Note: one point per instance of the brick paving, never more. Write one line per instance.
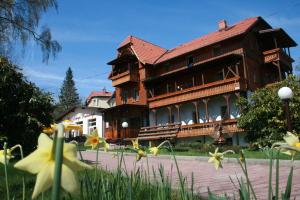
(204, 173)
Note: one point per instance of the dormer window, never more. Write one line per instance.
(190, 61)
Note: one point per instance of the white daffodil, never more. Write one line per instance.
(42, 162)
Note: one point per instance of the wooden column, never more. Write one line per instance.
(193, 80)
(197, 111)
(155, 117)
(202, 78)
(205, 101)
(227, 97)
(237, 69)
(178, 113)
(170, 113)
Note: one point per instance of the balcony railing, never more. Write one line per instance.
(277, 55)
(198, 92)
(228, 127)
(176, 130)
(167, 131)
(123, 78)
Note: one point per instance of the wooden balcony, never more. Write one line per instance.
(124, 77)
(176, 130)
(168, 131)
(228, 127)
(198, 92)
(277, 55)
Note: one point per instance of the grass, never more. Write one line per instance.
(248, 154)
(105, 185)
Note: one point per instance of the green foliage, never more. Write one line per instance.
(202, 147)
(24, 108)
(19, 20)
(68, 97)
(263, 116)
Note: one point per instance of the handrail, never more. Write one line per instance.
(199, 87)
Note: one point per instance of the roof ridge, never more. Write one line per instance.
(148, 42)
(185, 43)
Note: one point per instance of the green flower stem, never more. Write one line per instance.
(277, 177)
(247, 178)
(23, 174)
(59, 147)
(96, 166)
(5, 170)
(182, 191)
(270, 174)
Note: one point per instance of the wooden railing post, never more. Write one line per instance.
(227, 98)
(205, 101)
(197, 111)
(178, 113)
(170, 113)
(154, 116)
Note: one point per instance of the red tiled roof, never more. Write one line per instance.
(103, 93)
(147, 52)
(209, 39)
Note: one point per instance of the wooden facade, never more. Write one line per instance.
(225, 64)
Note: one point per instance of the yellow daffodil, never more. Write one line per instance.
(42, 162)
(293, 144)
(140, 154)
(135, 143)
(8, 156)
(154, 150)
(93, 140)
(242, 156)
(216, 158)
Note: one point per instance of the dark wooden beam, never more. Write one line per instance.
(197, 111)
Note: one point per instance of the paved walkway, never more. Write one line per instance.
(205, 174)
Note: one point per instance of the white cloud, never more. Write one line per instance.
(42, 75)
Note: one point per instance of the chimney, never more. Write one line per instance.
(222, 25)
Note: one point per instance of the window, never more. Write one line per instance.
(92, 125)
(224, 114)
(135, 94)
(190, 61)
(94, 102)
(124, 96)
(217, 50)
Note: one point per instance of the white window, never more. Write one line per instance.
(92, 125)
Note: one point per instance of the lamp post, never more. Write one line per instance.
(125, 126)
(285, 94)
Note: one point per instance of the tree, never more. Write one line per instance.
(263, 117)
(68, 97)
(24, 108)
(19, 20)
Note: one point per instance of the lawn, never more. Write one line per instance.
(194, 152)
(105, 185)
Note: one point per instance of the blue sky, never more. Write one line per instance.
(90, 32)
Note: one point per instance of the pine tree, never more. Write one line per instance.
(68, 97)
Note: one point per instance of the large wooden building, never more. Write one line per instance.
(190, 91)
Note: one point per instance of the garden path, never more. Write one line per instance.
(204, 173)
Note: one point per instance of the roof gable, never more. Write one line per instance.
(145, 51)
